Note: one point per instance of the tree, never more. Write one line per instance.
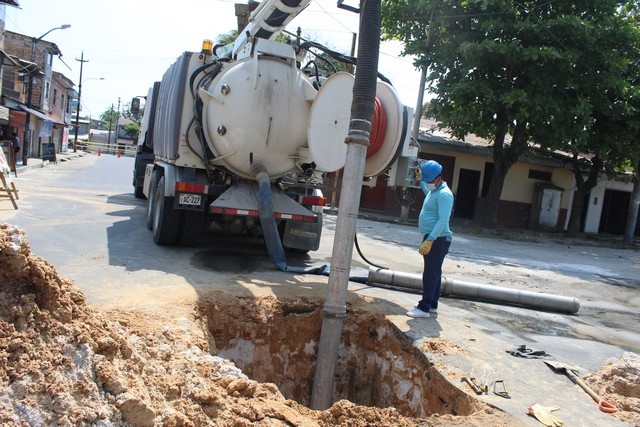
(132, 130)
(227, 38)
(501, 70)
(633, 150)
(609, 136)
(231, 36)
(602, 86)
(109, 118)
(125, 112)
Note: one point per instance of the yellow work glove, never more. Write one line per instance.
(425, 247)
(544, 414)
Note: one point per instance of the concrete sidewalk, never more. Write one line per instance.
(36, 163)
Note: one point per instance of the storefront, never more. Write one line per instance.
(44, 129)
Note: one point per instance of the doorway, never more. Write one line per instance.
(467, 194)
(615, 208)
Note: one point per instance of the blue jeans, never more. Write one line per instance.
(432, 273)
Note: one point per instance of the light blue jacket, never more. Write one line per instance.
(436, 212)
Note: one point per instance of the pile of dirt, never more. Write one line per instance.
(618, 382)
(67, 364)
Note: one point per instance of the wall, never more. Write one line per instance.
(517, 194)
(518, 187)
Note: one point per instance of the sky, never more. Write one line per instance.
(129, 44)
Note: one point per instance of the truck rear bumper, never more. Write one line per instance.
(242, 200)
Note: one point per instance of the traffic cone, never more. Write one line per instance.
(118, 153)
(98, 151)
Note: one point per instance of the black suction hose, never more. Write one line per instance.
(355, 238)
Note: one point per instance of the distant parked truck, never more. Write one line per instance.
(228, 136)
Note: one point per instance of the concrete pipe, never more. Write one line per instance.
(457, 288)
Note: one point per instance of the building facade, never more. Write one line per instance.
(32, 91)
(537, 194)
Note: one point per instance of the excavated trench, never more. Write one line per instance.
(276, 341)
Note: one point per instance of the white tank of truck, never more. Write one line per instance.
(227, 125)
(251, 111)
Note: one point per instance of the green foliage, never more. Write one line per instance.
(230, 37)
(132, 129)
(109, 118)
(227, 38)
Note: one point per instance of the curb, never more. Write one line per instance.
(37, 163)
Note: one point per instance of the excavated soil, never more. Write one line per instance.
(618, 383)
(234, 362)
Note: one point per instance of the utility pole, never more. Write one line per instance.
(110, 121)
(75, 138)
(417, 115)
(115, 135)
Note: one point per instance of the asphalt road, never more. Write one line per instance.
(81, 216)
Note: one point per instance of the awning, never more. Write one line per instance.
(42, 116)
(9, 58)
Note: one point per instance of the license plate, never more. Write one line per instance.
(190, 199)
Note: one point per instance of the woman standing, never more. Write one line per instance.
(433, 224)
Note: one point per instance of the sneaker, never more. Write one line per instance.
(416, 312)
(431, 310)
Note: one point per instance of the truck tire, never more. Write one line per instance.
(166, 219)
(191, 227)
(153, 185)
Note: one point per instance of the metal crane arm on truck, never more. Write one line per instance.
(267, 21)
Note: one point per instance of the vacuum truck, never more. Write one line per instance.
(233, 130)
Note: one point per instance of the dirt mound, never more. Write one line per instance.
(618, 382)
(67, 364)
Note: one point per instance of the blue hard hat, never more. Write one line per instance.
(430, 170)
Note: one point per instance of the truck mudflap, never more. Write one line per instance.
(242, 200)
(303, 235)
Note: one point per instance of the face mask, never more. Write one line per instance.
(431, 187)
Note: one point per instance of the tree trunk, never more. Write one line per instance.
(503, 158)
(575, 218)
(634, 205)
(492, 199)
(583, 187)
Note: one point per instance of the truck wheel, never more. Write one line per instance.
(191, 227)
(153, 185)
(166, 219)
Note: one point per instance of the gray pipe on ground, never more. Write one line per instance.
(457, 288)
